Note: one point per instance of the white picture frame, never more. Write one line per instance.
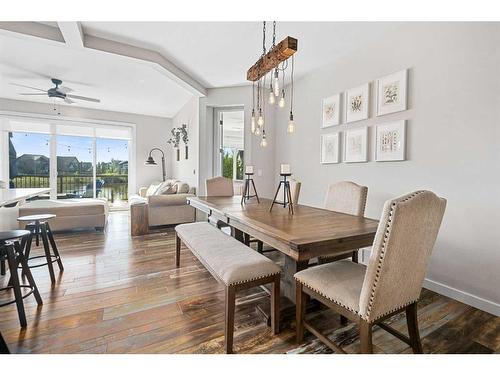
(356, 145)
(392, 93)
(330, 148)
(330, 111)
(390, 142)
(357, 103)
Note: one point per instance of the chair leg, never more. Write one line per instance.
(2, 267)
(412, 322)
(46, 248)
(229, 327)
(54, 247)
(275, 305)
(14, 277)
(177, 251)
(300, 309)
(27, 272)
(260, 246)
(343, 320)
(365, 337)
(355, 256)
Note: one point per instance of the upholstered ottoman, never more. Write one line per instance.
(71, 213)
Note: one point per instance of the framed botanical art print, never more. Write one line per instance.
(356, 145)
(392, 93)
(330, 148)
(391, 141)
(330, 109)
(357, 103)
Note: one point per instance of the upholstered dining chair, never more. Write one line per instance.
(392, 281)
(219, 187)
(349, 198)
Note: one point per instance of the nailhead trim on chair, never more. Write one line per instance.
(382, 257)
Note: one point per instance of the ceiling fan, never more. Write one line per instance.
(61, 92)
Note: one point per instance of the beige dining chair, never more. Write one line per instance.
(349, 198)
(392, 281)
(219, 187)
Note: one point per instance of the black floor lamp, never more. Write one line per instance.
(151, 161)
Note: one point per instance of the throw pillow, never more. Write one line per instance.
(152, 189)
(182, 187)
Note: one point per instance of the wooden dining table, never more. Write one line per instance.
(309, 233)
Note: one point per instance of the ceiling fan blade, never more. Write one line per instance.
(83, 98)
(28, 87)
(69, 101)
(33, 93)
(65, 89)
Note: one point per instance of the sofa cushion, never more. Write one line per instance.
(166, 187)
(152, 188)
(182, 187)
(65, 207)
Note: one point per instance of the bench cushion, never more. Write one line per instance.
(225, 257)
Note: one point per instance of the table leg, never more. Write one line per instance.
(288, 281)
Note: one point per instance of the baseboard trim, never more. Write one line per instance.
(459, 295)
(464, 297)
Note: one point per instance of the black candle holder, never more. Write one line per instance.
(287, 195)
(246, 189)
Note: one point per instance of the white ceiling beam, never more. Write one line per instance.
(159, 62)
(34, 29)
(72, 33)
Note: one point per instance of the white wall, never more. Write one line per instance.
(187, 169)
(452, 143)
(150, 131)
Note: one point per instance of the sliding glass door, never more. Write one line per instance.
(75, 160)
(112, 170)
(75, 172)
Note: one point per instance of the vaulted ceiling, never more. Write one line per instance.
(154, 68)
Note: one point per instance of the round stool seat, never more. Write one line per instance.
(41, 217)
(13, 234)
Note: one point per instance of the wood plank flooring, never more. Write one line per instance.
(123, 295)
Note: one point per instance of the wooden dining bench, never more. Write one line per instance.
(233, 264)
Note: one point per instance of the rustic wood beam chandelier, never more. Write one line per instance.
(276, 62)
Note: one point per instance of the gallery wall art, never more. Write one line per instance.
(391, 141)
(356, 145)
(330, 108)
(392, 93)
(330, 148)
(357, 103)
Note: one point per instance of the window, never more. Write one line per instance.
(29, 160)
(75, 160)
(230, 133)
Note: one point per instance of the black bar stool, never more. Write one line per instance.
(12, 250)
(38, 226)
(4, 349)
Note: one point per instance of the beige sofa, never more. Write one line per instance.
(70, 213)
(167, 203)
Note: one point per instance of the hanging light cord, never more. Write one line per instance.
(263, 38)
(291, 82)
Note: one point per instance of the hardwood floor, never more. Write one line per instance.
(123, 295)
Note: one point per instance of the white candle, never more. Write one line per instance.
(285, 169)
(249, 169)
